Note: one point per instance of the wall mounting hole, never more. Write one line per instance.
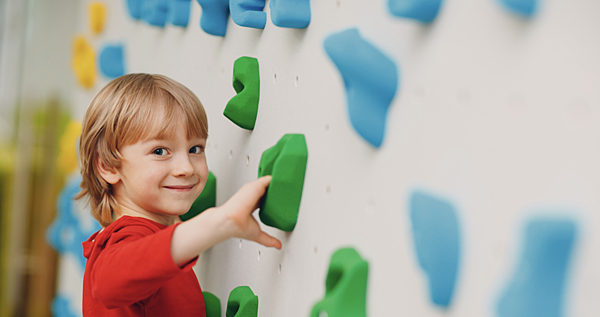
(247, 160)
(259, 255)
(279, 269)
(296, 82)
(240, 243)
(274, 78)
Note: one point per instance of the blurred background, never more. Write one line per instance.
(36, 89)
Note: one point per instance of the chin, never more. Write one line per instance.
(182, 211)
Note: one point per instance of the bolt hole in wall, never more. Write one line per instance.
(247, 160)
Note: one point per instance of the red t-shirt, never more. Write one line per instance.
(130, 272)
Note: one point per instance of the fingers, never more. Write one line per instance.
(247, 198)
(265, 180)
(240, 207)
(253, 191)
(263, 183)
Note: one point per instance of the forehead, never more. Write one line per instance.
(164, 122)
(170, 133)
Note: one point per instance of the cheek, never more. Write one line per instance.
(150, 176)
(202, 170)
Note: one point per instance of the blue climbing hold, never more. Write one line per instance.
(525, 8)
(420, 10)
(248, 13)
(111, 61)
(61, 307)
(538, 285)
(134, 7)
(215, 14)
(67, 231)
(437, 243)
(179, 12)
(370, 78)
(155, 12)
(290, 13)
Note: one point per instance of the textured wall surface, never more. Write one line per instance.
(494, 113)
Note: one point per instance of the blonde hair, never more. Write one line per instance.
(128, 109)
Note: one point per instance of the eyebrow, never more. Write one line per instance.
(153, 139)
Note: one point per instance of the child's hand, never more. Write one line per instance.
(239, 209)
(233, 219)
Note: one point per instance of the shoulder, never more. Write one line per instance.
(130, 228)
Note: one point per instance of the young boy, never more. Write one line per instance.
(143, 165)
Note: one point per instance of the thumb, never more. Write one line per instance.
(268, 240)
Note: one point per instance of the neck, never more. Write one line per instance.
(166, 220)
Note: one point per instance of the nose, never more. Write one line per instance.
(183, 166)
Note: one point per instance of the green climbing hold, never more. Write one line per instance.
(242, 303)
(213, 305)
(207, 199)
(286, 163)
(242, 109)
(345, 286)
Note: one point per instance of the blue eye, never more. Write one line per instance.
(196, 149)
(160, 151)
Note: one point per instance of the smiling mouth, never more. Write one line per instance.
(180, 188)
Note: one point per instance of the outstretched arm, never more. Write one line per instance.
(214, 225)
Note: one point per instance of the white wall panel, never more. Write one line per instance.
(495, 113)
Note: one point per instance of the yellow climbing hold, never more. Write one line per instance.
(84, 62)
(97, 16)
(67, 155)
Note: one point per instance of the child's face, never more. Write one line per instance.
(160, 179)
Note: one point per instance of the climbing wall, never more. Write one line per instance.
(452, 155)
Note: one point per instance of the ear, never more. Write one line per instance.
(110, 175)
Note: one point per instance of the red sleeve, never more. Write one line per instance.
(134, 265)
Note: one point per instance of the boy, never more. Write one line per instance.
(143, 165)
